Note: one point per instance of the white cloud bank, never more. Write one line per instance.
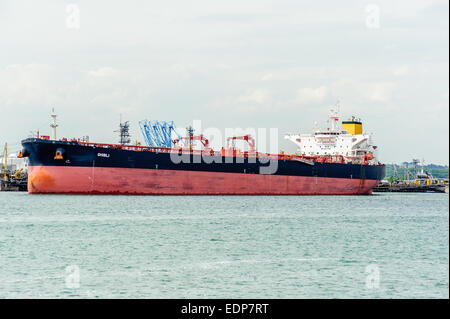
(312, 95)
(231, 64)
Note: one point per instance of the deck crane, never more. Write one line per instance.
(192, 138)
(248, 138)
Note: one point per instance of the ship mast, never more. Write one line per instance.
(190, 133)
(54, 125)
(124, 131)
(334, 116)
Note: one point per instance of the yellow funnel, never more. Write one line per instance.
(352, 127)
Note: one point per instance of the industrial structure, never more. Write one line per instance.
(420, 181)
(159, 133)
(12, 177)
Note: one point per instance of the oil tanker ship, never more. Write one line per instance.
(338, 161)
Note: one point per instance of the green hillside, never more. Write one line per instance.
(435, 170)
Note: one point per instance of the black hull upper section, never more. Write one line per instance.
(42, 153)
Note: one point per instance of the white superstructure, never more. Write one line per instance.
(347, 142)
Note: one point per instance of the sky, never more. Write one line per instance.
(231, 64)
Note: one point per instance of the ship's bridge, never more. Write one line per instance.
(348, 141)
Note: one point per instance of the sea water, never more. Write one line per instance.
(386, 245)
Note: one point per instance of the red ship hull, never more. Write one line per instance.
(107, 180)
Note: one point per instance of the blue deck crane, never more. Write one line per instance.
(159, 133)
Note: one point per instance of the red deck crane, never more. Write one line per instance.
(200, 138)
(248, 138)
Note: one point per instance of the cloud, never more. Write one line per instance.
(267, 77)
(23, 84)
(360, 90)
(401, 70)
(266, 61)
(180, 70)
(103, 72)
(379, 92)
(258, 96)
(312, 95)
(223, 66)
